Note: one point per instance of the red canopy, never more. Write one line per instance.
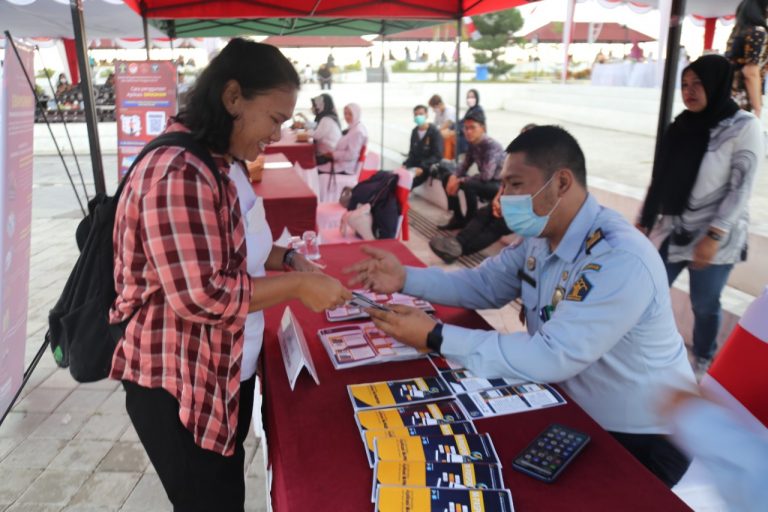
(408, 9)
(601, 33)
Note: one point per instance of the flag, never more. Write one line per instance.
(469, 26)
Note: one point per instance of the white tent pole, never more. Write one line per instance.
(665, 12)
(567, 35)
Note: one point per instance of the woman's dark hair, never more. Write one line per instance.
(257, 67)
(751, 13)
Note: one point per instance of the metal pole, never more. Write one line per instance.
(145, 24)
(383, 71)
(86, 88)
(669, 84)
(458, 87)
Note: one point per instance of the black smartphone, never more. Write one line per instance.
(362, 301)
(552, 450)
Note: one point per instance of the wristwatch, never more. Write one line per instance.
(288, 258)
(714, 235)
(435, 338)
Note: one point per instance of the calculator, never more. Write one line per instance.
(552, 450)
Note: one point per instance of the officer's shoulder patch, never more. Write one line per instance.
(580, 289)
(593, 239)
(592, 266)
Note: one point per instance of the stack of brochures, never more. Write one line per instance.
(424, 449)
(350, 311)
(359, 344)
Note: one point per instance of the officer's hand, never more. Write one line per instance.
(704, 252)
(382, 272)
(319, 292)
(406, 324)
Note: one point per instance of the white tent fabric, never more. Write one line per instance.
(53, 18)
(704, 8)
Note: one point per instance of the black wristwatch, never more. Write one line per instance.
(714, 235)
(288, 258)
(435, 338)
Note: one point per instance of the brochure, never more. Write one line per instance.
(509, 400)
(293, 345)
(439, 475)
(436, 413)
(350, 311)
(360, 344)
(464, 381)
(447, 429)
(425, 499)
(461, 448)
(398, 392)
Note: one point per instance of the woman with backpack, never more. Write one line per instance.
(191, 249)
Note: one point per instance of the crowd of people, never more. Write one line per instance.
(594, 289)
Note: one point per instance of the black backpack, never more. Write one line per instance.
(380, 191)
(79, 331)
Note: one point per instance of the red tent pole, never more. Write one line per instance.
(71, 51)
(709, 32)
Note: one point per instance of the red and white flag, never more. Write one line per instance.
(469, 26)
(738, 378)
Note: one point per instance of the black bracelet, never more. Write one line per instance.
(288, 258)
(435, 338)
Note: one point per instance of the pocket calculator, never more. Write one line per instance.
(552, 450)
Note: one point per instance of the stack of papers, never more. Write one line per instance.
(359, 344)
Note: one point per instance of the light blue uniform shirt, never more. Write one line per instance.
(611, 342)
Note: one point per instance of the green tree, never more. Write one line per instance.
(496, 31)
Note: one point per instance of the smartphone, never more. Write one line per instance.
(362, 301)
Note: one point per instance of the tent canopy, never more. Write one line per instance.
(317, 41)
(584, 32)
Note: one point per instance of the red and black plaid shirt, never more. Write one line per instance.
(180, 258)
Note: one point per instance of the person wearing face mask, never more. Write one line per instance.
(426, 146)
(595, 301)
(343, 162)
(697, 203)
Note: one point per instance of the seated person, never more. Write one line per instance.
(445, 120)
(595, 302)
(426, 146)
(481, 231)
(326, 128)
(489, 157)
(473, 105)
(344, 161)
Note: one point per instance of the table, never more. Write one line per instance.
(302, 153)
(288, 201)
(317, 456)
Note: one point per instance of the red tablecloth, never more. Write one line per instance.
(317, 456)
(288, 201)
(302, 153)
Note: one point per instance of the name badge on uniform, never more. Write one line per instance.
(256, 218)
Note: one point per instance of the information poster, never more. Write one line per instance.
(145, 98)
(17, 115)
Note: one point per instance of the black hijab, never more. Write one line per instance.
(685, 141)
(325, 108)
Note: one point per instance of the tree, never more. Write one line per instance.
(495, 30)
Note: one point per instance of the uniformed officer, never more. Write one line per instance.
(595, 301)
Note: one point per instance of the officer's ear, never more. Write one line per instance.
(564, 180)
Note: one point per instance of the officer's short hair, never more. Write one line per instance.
(551, 148)
(417, 107)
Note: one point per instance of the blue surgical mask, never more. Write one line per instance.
(419, 119)
(518, 213)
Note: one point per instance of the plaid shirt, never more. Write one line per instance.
(180, 258)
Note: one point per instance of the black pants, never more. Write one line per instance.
(657, 454)
(473, 189)
(195, 479)
(481, 231)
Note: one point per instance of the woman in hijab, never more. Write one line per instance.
(343, 162)
(327, 128)
(473, 105)
(697, 201)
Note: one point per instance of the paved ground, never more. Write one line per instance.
(70, 447)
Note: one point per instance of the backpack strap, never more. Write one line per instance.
(183, 140)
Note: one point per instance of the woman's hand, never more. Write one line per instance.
(319, 292)
(704, 252)
(407, 325)
(301, 264)
(382, 272)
